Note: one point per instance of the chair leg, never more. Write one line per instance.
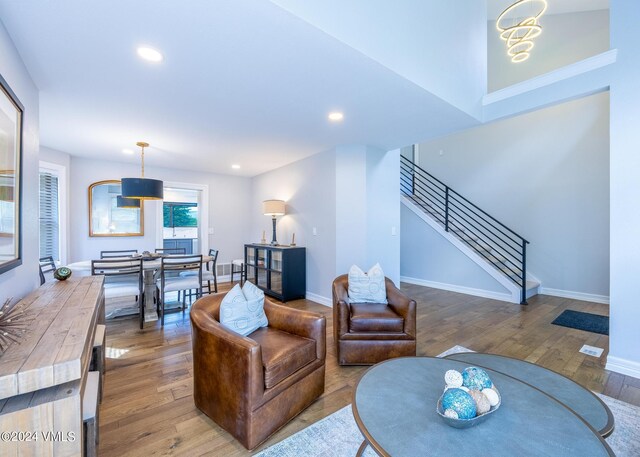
(215, 284)
(141, 305)
(161, 299)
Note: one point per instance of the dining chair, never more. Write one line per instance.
(47, 265)
(122, 278)
(209, 274)
(110, 254)
(169, 282)
(171, 251)
(239, 263)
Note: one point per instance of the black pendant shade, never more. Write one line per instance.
(123, 202)
(142, 188)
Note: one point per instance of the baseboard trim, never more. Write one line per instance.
(574, 295)
(623, 366)
(460, 289)
(319, 299)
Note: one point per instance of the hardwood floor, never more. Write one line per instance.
(148, 407)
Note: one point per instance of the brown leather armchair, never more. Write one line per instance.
(368, 333)
(252, 386)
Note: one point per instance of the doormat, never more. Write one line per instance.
(583, 321)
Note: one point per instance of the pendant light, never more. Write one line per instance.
(518, 25)
(142, 188)
(123, 202)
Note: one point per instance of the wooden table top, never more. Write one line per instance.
(53, 349)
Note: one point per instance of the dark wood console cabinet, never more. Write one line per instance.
(280, 271)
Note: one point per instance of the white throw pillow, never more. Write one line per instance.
(367, 287)
(242, 309)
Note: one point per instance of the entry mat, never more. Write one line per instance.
(583, 321)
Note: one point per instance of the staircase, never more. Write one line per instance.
(496, 248)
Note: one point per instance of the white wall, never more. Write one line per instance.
(432, 43)
(308, 188)
(426, 255)
(367, 209)
(18, 282)
(350, 195)
(383, 211)
(565, 39)
(351, 208)
(544, 175)
(624, 343)
(228, 209)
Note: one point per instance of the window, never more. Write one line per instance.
(49, 215)
(180, 215)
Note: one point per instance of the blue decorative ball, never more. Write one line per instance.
(459, 401)
(476, 378)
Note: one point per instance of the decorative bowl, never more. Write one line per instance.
(465, 423)
(62, 273)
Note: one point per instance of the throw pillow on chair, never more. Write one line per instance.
(242, 309)
(367, 287)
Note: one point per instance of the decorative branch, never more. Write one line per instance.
(12, 323)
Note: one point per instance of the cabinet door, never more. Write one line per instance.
(275, 271)
(262, 279)
(249, 255)
(187, 245)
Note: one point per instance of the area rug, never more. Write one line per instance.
(583, 321)
(337, 435)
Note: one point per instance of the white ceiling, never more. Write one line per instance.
(243, 81)
(495, 7)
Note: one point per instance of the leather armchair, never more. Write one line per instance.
(368, 333)
(252, 386)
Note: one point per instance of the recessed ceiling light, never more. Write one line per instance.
(235, 166)
(149, 54)
(335, 116)
(127, 151)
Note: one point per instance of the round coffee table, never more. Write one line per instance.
(394, 406)
(568, 392)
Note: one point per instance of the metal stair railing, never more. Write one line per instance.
(489, 238)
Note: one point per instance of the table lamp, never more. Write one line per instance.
(273, 208)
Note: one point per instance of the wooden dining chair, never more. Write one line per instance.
(122, 278)
(125, 253)
(209, 274)
(47, 265)
(169, 282)
(171, 251)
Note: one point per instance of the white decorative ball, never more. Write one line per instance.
(466, 389)
(482, 402)
(451, 413)
(492, 396)
(453, 378)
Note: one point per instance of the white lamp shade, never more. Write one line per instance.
(273, 208)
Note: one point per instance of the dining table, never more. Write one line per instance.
(150, 266)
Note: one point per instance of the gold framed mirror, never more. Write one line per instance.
(105, 218)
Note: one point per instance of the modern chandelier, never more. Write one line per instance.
(519, 25)
(142, 188)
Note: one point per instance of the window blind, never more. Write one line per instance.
(49, 216)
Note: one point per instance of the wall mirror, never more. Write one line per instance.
(106, 219)
(10, 178)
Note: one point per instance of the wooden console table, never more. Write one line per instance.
(42, 379)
